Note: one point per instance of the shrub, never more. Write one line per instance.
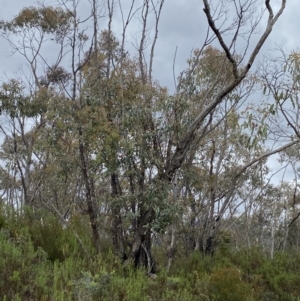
(226, 285)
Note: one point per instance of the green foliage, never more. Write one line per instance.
(16, 103)
(226, 285)
(281, 276)
(48, 234)
(50, 20)
(24, 272)
(103, 144)
(30, 269)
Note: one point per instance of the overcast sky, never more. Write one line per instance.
(183, 25)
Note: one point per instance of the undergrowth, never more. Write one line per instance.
(44, 261)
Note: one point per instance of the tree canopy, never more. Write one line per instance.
(91, 134)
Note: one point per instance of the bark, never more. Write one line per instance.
(89, 194)
(171, 248)
(118, 237)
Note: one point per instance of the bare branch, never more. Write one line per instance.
(212, 25)
(157, 18)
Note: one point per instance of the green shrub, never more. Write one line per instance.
(281, 277)
(40, 260)
(24, 272)
(226, 285)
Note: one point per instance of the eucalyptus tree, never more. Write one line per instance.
(123, 137)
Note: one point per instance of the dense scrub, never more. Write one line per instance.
(41, 260)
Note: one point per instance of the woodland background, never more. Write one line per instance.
(115, 187)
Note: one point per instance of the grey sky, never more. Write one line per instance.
(183, 25)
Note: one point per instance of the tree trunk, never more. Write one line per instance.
(118, 237)
(141, 252)
(89, 193)
(171, 248)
